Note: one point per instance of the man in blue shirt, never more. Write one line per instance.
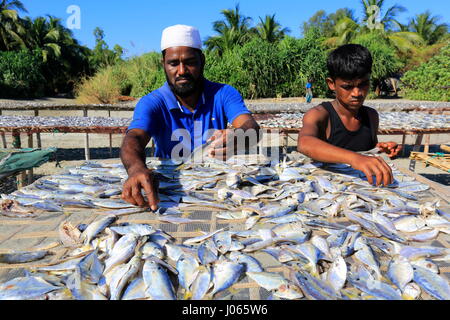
(184, 113)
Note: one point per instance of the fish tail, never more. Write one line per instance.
(187, 295)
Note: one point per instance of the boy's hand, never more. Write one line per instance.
(373, 166)
(390, 148)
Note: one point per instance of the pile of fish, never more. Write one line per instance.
(29, 121)
(388, 120)
(336, 236)
(289, 106)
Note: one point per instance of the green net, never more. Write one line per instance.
(16, 160)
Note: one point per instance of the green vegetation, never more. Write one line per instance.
(21, 74)
(258, 57)
(431, 80)
(63, 60)
(135, 77)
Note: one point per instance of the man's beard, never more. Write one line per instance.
(186, 89)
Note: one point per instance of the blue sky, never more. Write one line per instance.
(136, 25)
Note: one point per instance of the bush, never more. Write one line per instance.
(303, 59)
(430, 81)
(259, 69)
(21, 74)
(102, 88)
(135, 77)
(144, 74)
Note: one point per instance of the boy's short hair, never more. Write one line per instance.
(350, 61)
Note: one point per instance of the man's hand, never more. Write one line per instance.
(390, 148)
(137, 180)
(222, 145)
(373, 166)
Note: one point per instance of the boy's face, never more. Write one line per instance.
(350, 93)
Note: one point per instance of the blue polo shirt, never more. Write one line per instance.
(175, 128)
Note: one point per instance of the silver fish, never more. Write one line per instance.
(225, 274)
(432, 283)
(202, 237)
(120, 279)
(202, 283)
(96, 227)
(251, 264)
(222, 241)
(135, 290)
(90, 268)
(400, 272)
(152, 249)
(22, 257)
(337, 274)
(312, 287)
(122, 251)
(366, 256)
(187, 267)
(24, 288)
(267, 280)
(157, 282)
(139, 229)
(374, 287)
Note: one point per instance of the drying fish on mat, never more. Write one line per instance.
(295, 229)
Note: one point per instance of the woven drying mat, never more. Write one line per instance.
(42, 232)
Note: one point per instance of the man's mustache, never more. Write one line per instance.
(190, 78)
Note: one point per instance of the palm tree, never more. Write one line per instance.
(270, 30)
(234, 30)
(388, 20)
(428, 28)
(326, 23)
(44, 35)
(345, 30)
(11, 30)
(404, 41)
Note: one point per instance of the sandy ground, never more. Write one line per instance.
(71, 146)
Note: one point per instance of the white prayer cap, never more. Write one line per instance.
(181, 36)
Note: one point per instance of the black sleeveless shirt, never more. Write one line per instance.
(359, 140)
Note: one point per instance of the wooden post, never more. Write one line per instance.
(427, 143)
(403, 144)
(86, 141)
(110, 138)
(285, 142)
(30, 145)
(16, 144)
(38, 134)
(417, 144)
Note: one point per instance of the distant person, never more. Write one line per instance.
(184, 113)
(309, 93)
(335, 131)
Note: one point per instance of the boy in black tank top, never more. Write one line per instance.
(334, 131)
